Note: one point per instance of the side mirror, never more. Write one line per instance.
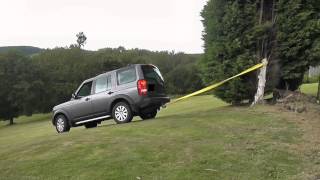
(73, 96)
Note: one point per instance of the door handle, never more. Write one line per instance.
(110, 92)
(87, 99)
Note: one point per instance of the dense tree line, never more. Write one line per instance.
(239, 33)
(34, 84)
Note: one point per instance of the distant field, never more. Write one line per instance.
(201, 138)
(311, 89)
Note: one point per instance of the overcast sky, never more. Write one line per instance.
(148, 24)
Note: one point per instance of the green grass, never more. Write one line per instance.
(310, 89)
(201, 138)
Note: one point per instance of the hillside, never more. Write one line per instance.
(25, 50)
(202, 138)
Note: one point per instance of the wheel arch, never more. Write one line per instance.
(58, 113)
(125, 99)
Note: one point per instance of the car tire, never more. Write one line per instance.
(91, 125)
(148, 115)
(62, 124)
(122, 113)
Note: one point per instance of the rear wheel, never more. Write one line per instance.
(148, 115)
(122, 113)
(91, 125)
(62, 124)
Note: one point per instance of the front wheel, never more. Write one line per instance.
(122, 113)
(148, 115)
(62, 124)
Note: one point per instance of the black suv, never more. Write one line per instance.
(135, 90)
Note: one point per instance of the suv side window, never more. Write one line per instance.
(103, 84)
(126, 76)
(85, 90)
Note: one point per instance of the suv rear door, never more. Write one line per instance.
(154, 79)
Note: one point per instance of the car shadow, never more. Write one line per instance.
(108, 124)
(166, 117)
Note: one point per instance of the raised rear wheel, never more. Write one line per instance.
(148, 115)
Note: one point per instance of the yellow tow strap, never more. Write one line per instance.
(258, 66)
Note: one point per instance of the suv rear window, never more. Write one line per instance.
(126, 76)
(152, 73)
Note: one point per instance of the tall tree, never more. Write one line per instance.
(298, 38)
(230, 47)
(81, 39)
(266, 28)
(239, 34)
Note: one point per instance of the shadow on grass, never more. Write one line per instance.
(179, 115)
(8, 125)
(115, 124)
(27, 120)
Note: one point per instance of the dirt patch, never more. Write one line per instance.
(295, 101)
(304, 111)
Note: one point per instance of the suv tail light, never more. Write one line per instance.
(142, 87)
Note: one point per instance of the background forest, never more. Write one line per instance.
(34, 80)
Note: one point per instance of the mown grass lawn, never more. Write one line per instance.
(201, 138)
(311, 89)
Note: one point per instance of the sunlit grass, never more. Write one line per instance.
(310, 89)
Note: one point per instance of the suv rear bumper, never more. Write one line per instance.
(153, 102)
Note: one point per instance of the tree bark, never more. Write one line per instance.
(318, 95)
(261, 11)
(261, 83)
(259, 43)
(11, 121)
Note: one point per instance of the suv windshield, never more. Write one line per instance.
(85, 90)
(152, 73)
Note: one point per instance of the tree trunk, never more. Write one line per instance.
(260, 54)
(261, 83)
(261, 11)
(259, 43)
(318, 95)
(11, 121)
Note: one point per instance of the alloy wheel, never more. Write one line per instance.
(121, 113)
(60, 125)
